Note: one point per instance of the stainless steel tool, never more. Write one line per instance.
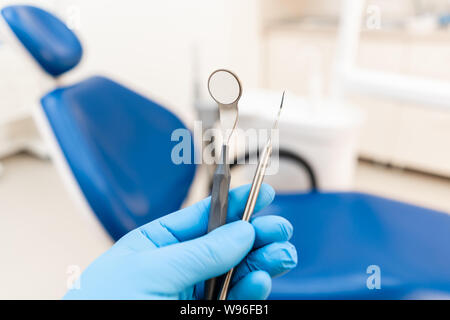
(225, 88)
(253, 195)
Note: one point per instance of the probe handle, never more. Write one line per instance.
(218, 212)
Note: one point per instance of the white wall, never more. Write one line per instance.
(150, 45)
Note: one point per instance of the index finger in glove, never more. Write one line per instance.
(192, 222)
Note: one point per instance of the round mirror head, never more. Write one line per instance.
(224, 87)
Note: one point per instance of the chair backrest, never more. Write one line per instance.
(118, 146)
(116, 143)
(53, 46)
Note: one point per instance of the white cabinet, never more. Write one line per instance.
(424, 141)
(292, 56)
(379, 135)
(405, 135)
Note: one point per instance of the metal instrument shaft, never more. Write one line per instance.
(253, 195)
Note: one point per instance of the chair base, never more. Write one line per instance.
(21, 135)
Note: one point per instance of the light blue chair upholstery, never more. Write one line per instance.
(118, 145)
(54, 46)
(339, 235)
(345, 238)
(116, 142)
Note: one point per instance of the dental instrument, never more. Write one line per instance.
(254, 192)
(225, 88)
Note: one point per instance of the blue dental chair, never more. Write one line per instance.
(109, 136)
(342, 237)
(347, 239)
(116, 142)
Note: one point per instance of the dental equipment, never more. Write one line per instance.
(225, 88)
(253, 195)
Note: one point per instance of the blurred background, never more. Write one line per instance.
(368, 86)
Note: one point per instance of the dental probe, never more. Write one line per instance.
(253, 195)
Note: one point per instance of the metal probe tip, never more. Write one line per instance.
(275, 125)
(253, 195)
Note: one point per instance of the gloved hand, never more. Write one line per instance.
(169, 258)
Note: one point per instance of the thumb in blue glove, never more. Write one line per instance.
(169, 258)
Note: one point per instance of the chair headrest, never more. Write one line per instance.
(52, 44)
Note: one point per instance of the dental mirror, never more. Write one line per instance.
(225, 88)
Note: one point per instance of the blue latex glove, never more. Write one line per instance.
(169, 258)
